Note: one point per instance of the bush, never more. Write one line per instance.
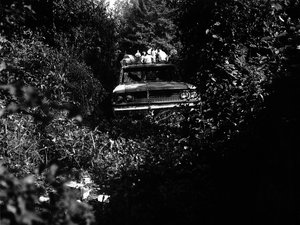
(21, 203)
(56, 75)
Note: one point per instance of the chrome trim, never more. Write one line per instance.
(152, 106)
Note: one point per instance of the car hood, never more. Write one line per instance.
(145, 86)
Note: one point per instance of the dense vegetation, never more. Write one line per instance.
(233, 159)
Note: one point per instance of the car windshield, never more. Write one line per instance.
(149, 73)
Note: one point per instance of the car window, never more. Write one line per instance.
(132, 77)
(149, 74)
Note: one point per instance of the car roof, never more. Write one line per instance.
(133, 67)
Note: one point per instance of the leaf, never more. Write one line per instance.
(2, 66)
(30, 217)
(78, 118)
(3, 194)
(28, 7)
(11, 208)
(10, 88)
(2, 112)
(12, 107)
(281, 18)
(29, 179)
(277, 6)
(53, 169)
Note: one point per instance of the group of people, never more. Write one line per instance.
(151, 56)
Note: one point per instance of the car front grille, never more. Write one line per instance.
(164, 96)
(140, 97)
(157, 96)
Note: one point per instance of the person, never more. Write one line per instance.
(162, 56)
(138, 56)
(147, 59)
(154, 53)
(127, 59)
(173, 54)
(149, 51)
(143, 56)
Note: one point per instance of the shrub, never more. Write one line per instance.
(55, 74)
(20, 202)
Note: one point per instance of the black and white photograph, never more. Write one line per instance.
(149, 112)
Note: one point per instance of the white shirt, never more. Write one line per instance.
(147, 59)
(138, 54)
(162, 56)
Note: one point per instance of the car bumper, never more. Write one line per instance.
(152, 106)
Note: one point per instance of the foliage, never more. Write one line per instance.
(118, 160)
(242, 50)
(144, 24)
(83, 27)
(88, 30)
(20, 198)
(13, 16)
(56, 75)
(242, 55)
(20, 202)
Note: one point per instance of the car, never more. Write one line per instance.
(144, 87)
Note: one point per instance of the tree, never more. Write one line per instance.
(233, 51)
(244, 56)
(144, 24)
(83, 27)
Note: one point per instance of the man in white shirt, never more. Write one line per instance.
(149, 51)
(154, 53)
(138, 56)
(162, 56)
(147, 59)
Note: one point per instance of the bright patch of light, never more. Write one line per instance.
(111, 3)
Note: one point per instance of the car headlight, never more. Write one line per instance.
(185, 95)
(129, 98)
(191, 87)
(193, 94)
(119, 99)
